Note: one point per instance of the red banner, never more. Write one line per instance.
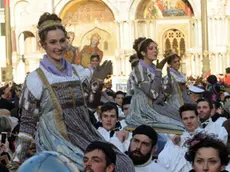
(6, 3)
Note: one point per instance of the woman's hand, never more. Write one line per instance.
(101, 72)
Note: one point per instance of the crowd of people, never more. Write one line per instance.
(64, 118)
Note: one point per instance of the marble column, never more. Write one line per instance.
(9, 75)
(118, 35)
(132, 33)
(122, 35)
(13, 40)
(136, 29)
(205, 48)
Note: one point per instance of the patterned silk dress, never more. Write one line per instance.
(55, 113)
(147, 105)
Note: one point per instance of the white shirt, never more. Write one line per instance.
(114, 140)
(150, 167)
(172, 156)
(217, 129)
(123, 123)
(120, 112)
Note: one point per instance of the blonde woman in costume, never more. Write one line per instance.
(58, 95)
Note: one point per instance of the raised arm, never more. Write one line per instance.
(92, 84)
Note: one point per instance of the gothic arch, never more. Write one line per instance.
(27, 42)
(174, 39)
(135, 4)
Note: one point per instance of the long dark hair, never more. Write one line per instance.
(141, 44)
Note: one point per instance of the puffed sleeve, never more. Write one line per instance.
(29, 118)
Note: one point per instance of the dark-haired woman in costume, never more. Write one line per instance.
(148, 106)
(57, 96)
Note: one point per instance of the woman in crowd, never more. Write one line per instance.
(148, 106)
(207, 153)
(177, 93)
(58, 95)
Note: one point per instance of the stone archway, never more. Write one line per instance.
(135, 5)
(63, 3)
(27, 43)
(83, 16)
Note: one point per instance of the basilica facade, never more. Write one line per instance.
(174, 24)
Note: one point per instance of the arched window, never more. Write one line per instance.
(29, 42)
(175, 40)
(182, 47)
(167, 44)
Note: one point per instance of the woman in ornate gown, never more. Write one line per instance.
(55, 102)
(147, 105)
(177, 92)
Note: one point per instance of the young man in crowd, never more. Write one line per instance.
(110, 126)
(94, 62)
(211, 124)
(99, 157)
(125, 108)
(118, 99)
(195, 92)
(172, 156)
(141, 149)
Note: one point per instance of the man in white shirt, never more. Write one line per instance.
(211, 124)
(99, 157)
(172, 156)
(109, 129)
(141, 149)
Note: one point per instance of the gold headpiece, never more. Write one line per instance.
(47, 24)
(169, 53)
(140, 44)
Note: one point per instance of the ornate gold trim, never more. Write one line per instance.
(60, 125)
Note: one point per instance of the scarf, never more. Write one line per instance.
(179, 77)
(65, 70)
(151, 68)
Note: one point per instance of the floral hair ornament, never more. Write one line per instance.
(49, 23)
